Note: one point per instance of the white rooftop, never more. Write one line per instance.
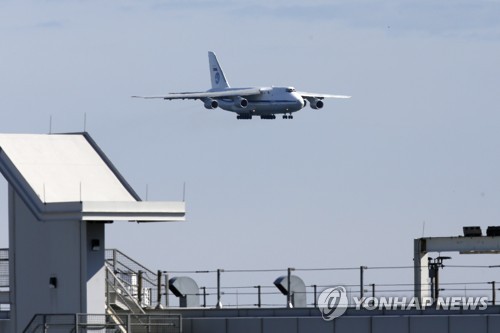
(63, 168)
(61, 176)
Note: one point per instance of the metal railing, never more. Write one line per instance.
(268, 296)
(83, 323)
(4, 268)
(120, 294)
(147, 286)
(4, 283)
(41, 323)
(149, 289)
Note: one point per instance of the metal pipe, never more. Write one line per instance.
(259, 303)
(114, 261)
(436, 284)
(219, 304)
(167, 289)
(315, 295)
(108, 295)
(493, 292)
(288, 287)
(361, 282)
(139, 287)
(158, 294)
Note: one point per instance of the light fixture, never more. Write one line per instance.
(95, 245)
(53, 282)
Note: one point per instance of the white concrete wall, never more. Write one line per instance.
(41, 250)
(96, 274)
(38, 251)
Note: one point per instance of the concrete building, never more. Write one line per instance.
(62, 191)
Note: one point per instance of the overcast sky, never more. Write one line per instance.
(415, 152)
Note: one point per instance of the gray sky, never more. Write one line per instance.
(348, 185)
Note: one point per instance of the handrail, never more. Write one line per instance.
(125, 268)
(143, 268)
(4, 268)
(116, 319)
(85, 322)
(44, 317)
(123, 288)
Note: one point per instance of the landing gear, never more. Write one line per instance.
(244, 116)
(271, 116)
(287, 117)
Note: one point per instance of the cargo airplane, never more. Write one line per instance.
(265, 102)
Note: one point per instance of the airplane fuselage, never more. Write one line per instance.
(273, 100)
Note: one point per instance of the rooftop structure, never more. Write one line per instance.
(62, 190)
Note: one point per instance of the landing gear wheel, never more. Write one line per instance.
(290, 117)
(285, 116)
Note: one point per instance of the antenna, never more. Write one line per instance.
(423, 229)
(184, 192)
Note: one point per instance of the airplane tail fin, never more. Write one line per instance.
(216, 74)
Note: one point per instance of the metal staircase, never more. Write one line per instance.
(145, 285)
(129, 287)
(120, 295)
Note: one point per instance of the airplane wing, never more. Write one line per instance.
(320, 96)
(208, 94)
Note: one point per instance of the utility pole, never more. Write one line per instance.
(361, 281)
(219, 303)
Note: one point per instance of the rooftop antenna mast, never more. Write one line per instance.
(184, 192)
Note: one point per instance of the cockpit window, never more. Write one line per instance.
(290, 90)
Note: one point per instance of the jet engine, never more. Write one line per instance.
(316, 103)
(241, 102)
(211, 104)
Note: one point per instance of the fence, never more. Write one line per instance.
(219, 287)
(151, 289)
(143, 283)
(4, 283)
(83, 323)
(4, 268)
